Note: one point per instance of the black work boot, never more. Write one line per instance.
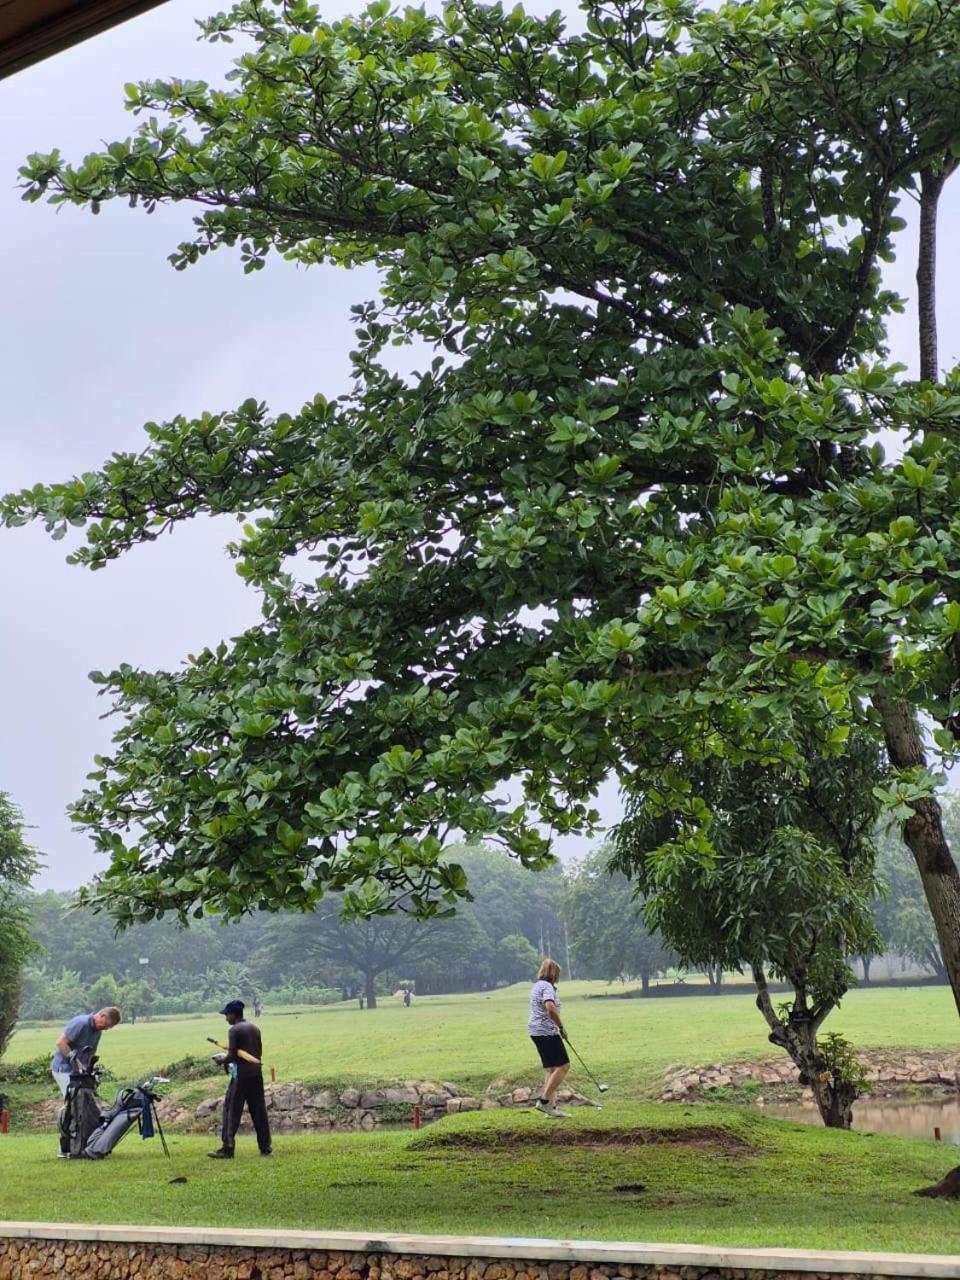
(224, 1153)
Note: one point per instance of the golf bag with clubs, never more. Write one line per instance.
(87, 1133)
(136, 1106)
(80, 1114)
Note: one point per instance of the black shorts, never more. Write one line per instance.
(552, 1051)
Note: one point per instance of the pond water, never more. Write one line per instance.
(891, 1116)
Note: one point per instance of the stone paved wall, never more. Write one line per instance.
(888, 1071)
(82, 1260)
(294, 1108)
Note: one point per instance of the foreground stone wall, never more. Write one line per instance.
(27, 1259)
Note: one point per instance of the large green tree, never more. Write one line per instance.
(19, 863)
(609, 937)
(357, 952)
(633, 503)
(786, 894)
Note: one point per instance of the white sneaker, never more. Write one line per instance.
(549, 1109)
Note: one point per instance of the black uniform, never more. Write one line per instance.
(246, 1086)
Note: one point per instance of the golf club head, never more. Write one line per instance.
(602, 1088)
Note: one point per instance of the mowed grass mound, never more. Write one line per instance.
(473, 1040)
(712, 1174)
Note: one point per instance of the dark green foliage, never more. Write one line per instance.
(35, 1069)
(18, 865)
(315, 958)
(609, 937)
(786, 891)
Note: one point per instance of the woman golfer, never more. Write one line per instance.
(547, 1033)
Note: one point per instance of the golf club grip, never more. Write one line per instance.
(241, 1053)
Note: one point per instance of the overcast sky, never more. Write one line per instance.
(98, 334)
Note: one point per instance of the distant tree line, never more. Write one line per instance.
(586, 914)
(495, 939)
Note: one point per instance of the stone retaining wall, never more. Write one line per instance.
(888, 1072)
(295, 1108)
(33, 1251)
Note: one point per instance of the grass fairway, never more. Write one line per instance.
(710, 1174)
(474, 1039)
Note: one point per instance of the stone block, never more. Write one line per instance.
(406, 1094)
(325, 1100)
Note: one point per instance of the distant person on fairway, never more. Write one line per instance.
(546, 1031)
(78, 1043)
(246, 1083)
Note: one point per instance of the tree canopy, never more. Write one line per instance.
(786, 894)
(634, 502)
(497, 937)
(608, 935)
(18, 865)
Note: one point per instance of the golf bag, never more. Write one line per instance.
(80, 1114)
(137, 1106)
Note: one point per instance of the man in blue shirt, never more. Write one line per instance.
(78, 1043)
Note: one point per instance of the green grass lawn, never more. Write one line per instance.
(472, 1040)
(713, 1174)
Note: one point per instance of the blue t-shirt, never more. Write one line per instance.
(540, 1023)
(83, 1036)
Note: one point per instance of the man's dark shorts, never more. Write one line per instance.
(552, 1051)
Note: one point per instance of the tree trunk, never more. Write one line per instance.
(798, 1038)
(835, 1102)
(935, 963)
(714, 976)
(866, 961)
(645, 983)
(923, 833)
(370, 990)
(948, 1187)
(931, 184)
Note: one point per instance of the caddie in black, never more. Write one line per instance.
(242, 1059)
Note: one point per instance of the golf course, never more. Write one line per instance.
(475, 1039)
(635, 1170)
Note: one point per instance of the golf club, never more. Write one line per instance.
(241, 1053)
(601, 1088)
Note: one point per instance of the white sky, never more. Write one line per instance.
(98, 334)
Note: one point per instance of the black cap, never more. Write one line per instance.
(233, 1006)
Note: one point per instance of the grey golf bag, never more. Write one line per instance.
(137, 1106)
